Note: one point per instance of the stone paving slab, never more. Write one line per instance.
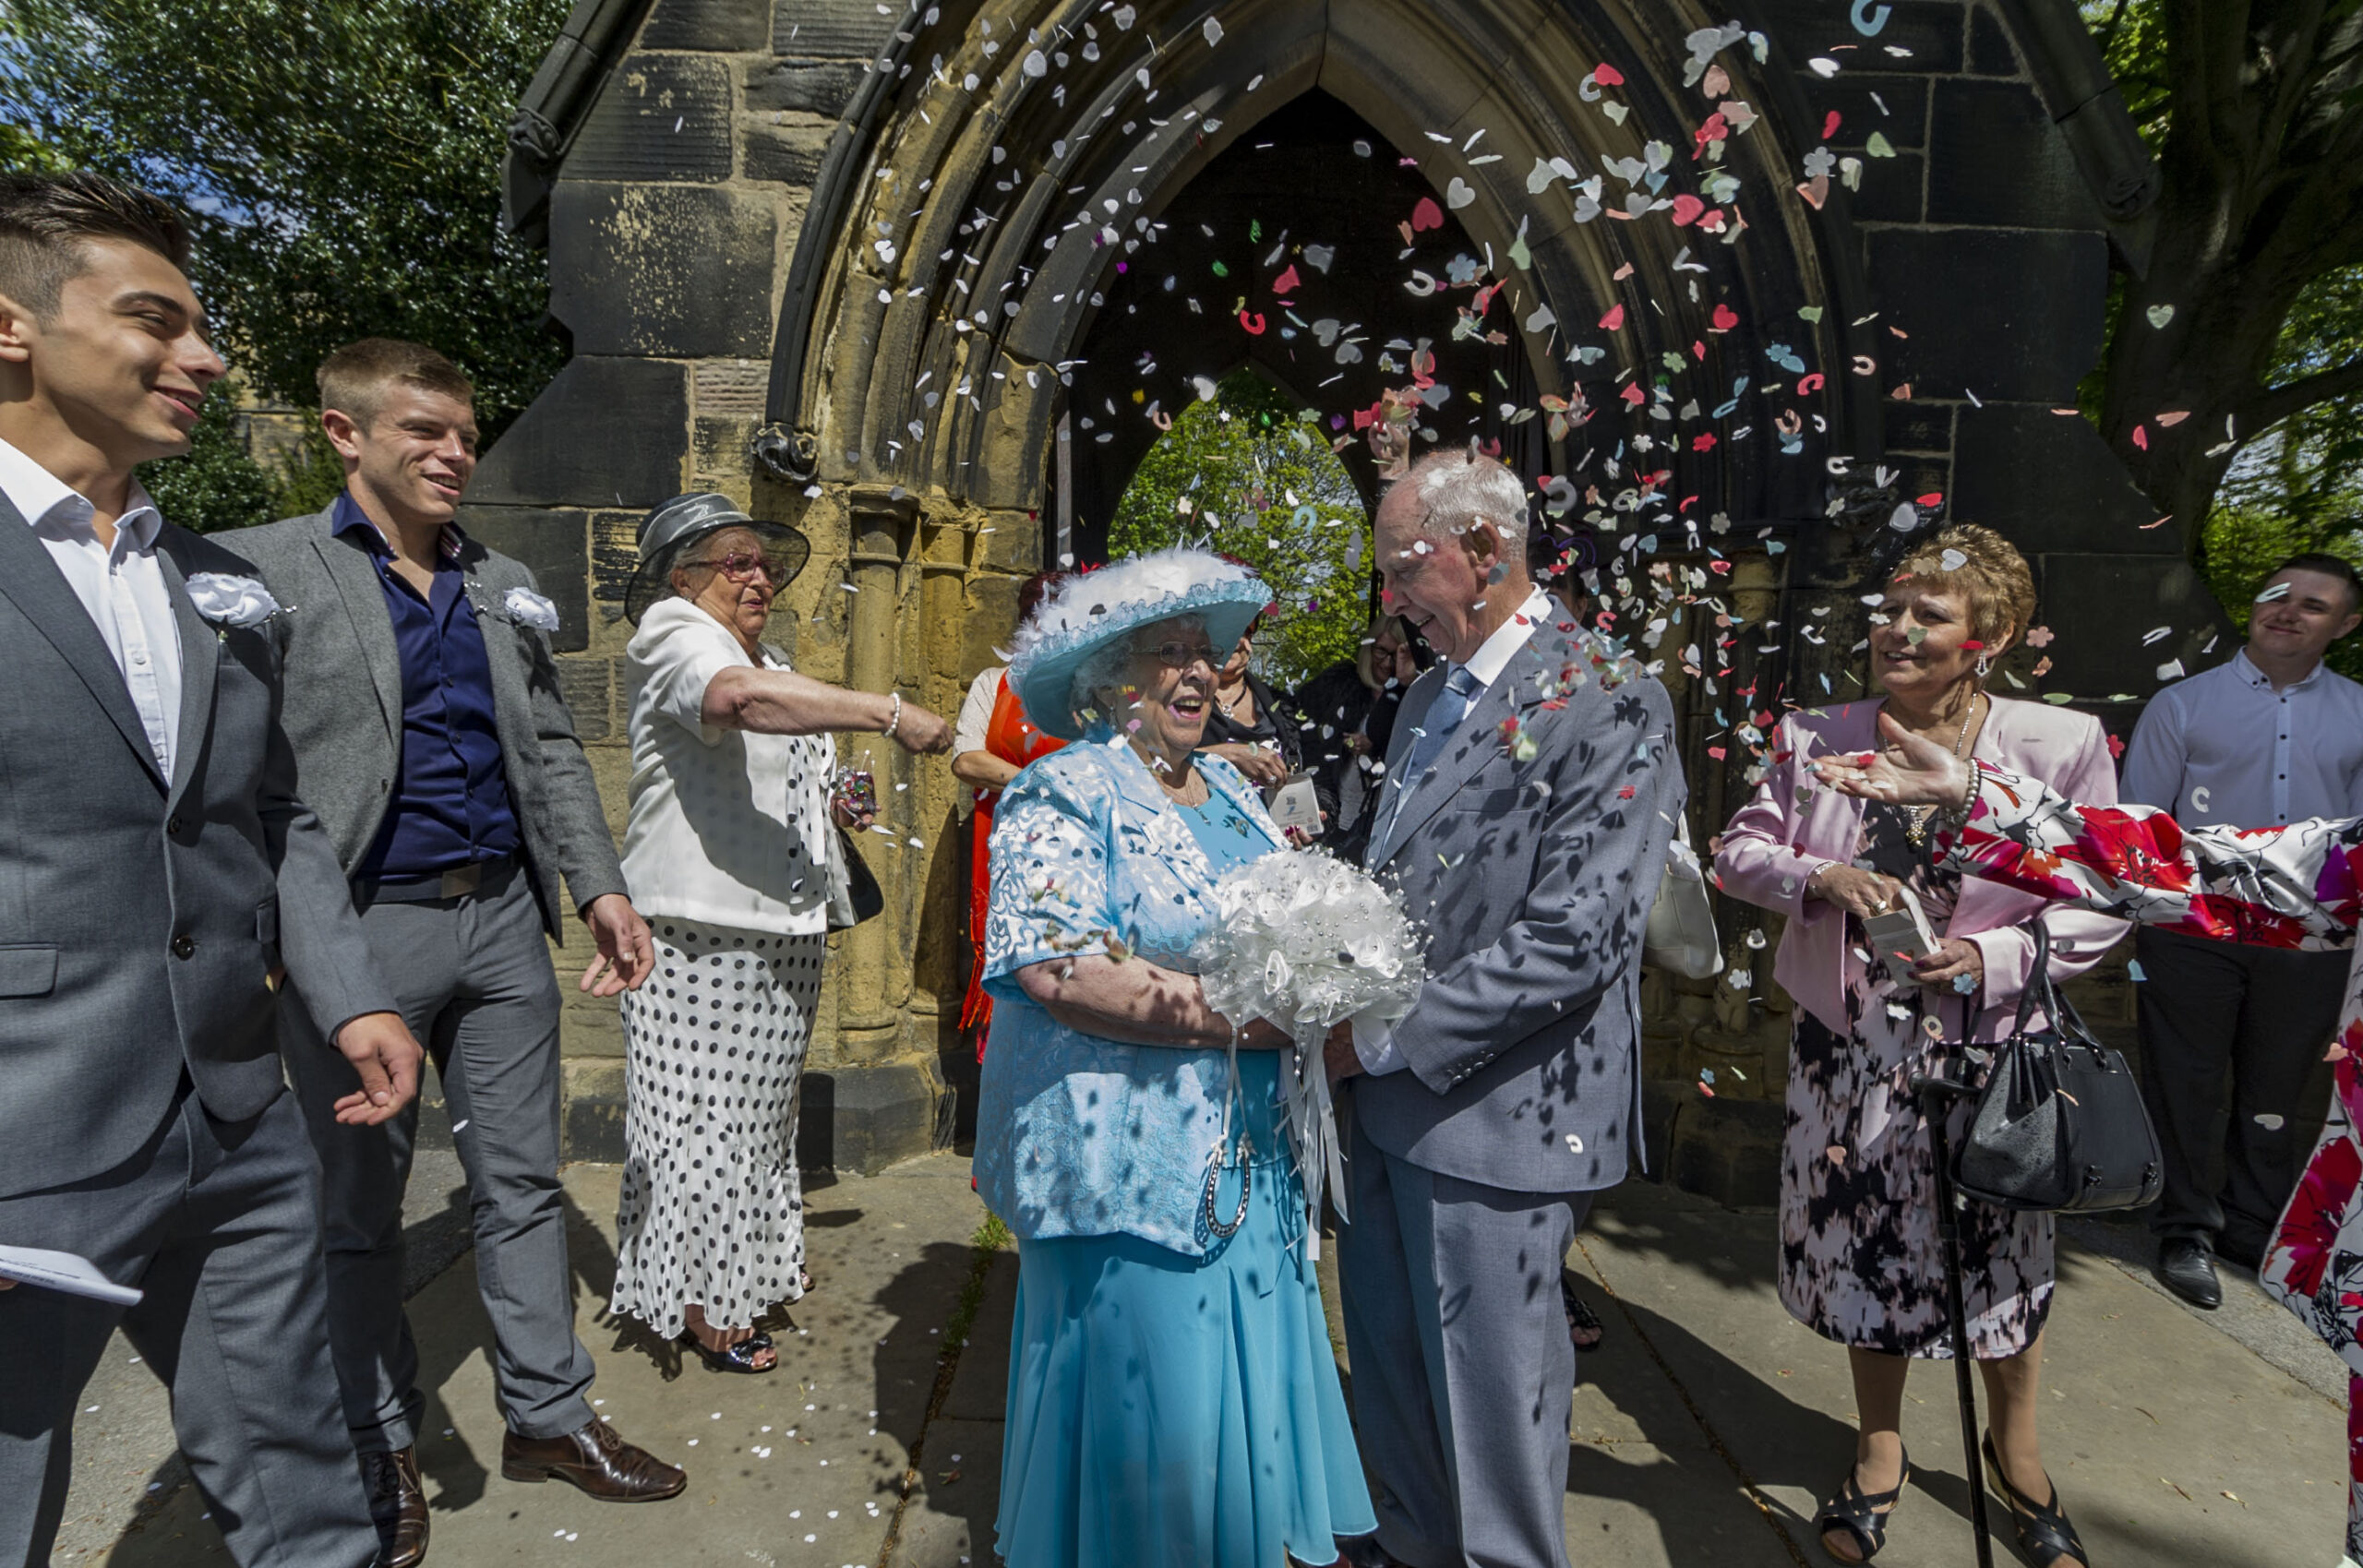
(801, 1468)
(2151, 1414)
(1703, 1431)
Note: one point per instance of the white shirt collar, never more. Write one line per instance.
(2263, 682)
(1494, 655)
(52, 506)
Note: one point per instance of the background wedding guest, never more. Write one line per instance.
(1860, 1257)
(1347, 714)
(1248, 727)
(429, 733)
(1173, 1398)
(729, 851)
(2271, 737)
(1487, 1117)
(161, 877)
(991, 739)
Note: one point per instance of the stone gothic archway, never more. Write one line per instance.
(839, 257)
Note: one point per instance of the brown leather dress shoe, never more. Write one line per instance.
(595, 1457)
(397, 1506)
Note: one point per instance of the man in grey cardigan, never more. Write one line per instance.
(424, 708)
(158, 877)
(1531, 786)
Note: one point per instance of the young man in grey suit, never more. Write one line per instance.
(157, 878)
(423, 706)
(1531, 788)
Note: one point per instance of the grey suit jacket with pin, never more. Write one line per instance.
(344, 707)
(139, 916)
(1534, 879)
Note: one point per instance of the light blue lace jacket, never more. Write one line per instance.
(1077, 1135)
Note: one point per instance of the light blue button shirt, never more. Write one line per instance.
(2224, 748)
(1078, 1136)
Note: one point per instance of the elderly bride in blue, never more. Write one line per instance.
(1172, 1394)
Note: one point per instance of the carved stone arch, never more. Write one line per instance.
(993, 290)
(706, 176)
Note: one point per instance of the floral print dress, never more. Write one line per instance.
(1860, 1261)
(2289, 887)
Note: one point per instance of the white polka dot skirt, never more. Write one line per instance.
(712, 1206)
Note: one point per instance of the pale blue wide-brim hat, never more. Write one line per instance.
(1091, 609)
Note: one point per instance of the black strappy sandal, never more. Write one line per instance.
(1581, 1320)
(1861, 1514)
(738, 1358)
(2045, 1535)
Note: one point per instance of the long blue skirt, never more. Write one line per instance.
(1181, 1411)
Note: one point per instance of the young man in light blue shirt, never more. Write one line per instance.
(2272, 736)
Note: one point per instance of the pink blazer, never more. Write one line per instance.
(1793, 826)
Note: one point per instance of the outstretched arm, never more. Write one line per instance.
(2289, 887)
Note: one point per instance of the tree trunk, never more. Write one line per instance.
(2260, 181)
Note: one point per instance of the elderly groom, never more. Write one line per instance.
(1528, 836)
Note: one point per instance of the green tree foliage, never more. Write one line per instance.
(219, 484)
(2247, 324)
(341, 158)
(1248, 472)
(216, 484)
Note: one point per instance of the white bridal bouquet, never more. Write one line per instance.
(1307, 940)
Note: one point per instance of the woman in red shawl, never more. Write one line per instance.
(990, 744)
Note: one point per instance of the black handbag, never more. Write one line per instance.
(2060, 1125)
(854, 895)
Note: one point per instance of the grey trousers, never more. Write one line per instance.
(473, 975)
(218, 1222)
(1463, 1370)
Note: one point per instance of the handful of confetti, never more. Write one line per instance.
(1307, 941)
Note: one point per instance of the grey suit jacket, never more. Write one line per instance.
(1534, 879)
(344, 707)
(139, 915)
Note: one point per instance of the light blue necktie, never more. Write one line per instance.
(1444, 715)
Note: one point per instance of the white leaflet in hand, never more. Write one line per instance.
(1902, 934)
(62, 1270)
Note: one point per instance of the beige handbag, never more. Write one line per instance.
(1681, 934)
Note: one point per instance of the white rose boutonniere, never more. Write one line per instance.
(528, 608)
(228, 600)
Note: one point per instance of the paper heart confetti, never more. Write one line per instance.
(1457, 195)
(2160, 314)
(1426, 215)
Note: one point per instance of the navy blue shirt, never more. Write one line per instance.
(450, 799)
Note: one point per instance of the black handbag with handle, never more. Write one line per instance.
(2060, 1125)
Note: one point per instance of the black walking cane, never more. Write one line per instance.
(1934, 1095)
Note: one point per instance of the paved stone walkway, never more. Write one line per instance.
(1703, 1432)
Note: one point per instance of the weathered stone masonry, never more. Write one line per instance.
(710, 174)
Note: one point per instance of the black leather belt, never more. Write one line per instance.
(480, 876)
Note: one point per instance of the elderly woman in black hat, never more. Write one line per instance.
(727, 856)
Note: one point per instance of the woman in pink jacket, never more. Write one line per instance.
(1859, 1250)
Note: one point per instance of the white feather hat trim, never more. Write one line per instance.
(1088, 608)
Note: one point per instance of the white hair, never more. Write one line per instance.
(1457, 490)
(1110, 667)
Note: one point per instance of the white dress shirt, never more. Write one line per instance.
(2223, 747)
(123, 588)
(1374, 1042)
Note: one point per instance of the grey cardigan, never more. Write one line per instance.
(344, 711)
